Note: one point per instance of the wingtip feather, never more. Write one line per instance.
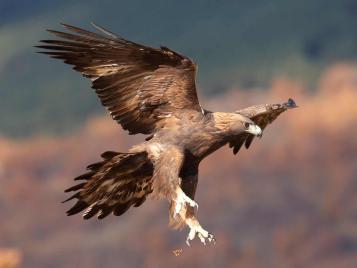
(290, 104)
(102, 29)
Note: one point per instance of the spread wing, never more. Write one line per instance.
(262, 115)
(140, 86)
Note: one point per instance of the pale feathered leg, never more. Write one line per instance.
(181, 200)
(168, 161)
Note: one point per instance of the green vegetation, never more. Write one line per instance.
(242, 42)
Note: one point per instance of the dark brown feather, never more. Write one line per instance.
(91, 211)
(120, 209)
(113, 185)
(139, 85)
(109, 154)
(75, 187)
(85, 176)
(78, 207)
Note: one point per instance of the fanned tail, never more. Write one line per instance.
(115, 184)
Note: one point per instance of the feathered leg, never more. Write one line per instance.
(189, 175)
(181, 201)
(168, 161)
(175, 178)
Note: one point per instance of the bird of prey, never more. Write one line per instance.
(151, 91)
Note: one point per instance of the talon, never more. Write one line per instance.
(190, 202)
(182, 201)
(193, 204)
(211, 238)
(188, 242)
(202, 239)
(201, 234)
(191, 235)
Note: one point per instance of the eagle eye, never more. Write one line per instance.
(246, 125)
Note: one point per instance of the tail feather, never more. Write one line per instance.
(140, 201)
(85, 176)
(109, 154)
(76, 195)
(95, 166)
(120, 209)
(91, 211)
(115, 184)
(105, 211)
(78, 207)
(75, 187)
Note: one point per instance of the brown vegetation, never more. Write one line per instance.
(9, 258)
(290, 201)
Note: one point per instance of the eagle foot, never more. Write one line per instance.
(181, 201)
(201, 234)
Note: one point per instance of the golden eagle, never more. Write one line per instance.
(151, 91)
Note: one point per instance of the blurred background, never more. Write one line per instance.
(289, 201)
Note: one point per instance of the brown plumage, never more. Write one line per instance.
(151, 91)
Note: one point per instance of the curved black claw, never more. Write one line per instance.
(202, 235)
(211, 238)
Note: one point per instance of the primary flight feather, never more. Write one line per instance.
(153, 92)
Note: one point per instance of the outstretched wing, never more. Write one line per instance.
(139, 85)
(262, 115)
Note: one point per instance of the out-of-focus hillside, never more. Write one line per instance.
(290, 201)
(10, 258)
(234, 42)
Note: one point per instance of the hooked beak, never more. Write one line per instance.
(255, 130)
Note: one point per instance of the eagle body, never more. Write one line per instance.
(153, 92)
(195, 134)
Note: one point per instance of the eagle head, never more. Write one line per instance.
(235, 124)
(250, 127)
